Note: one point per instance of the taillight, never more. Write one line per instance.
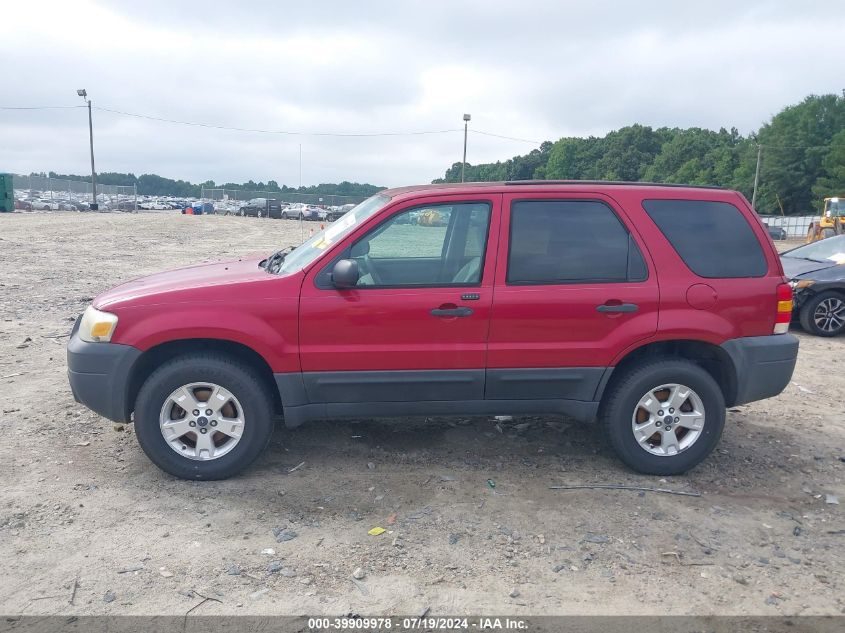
(784, 313)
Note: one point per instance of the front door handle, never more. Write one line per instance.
(460, 311)
(618, 307)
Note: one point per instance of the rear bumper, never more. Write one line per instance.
(99, 375)
(763, 365)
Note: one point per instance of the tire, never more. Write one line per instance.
(620, 408)
(830, 303)
(284, 215)
(249, 392)
(828, 232)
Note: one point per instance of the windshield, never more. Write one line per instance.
(318, 243)
(830, 250)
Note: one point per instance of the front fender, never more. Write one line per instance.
(267, 327)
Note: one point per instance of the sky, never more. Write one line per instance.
(532, 71)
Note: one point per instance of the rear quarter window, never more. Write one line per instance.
(713, 238)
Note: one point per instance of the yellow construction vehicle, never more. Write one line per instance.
(831, 222)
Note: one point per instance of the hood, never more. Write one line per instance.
(198, 280)
(794, 267)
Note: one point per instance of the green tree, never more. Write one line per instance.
(831, 182)
(803, 157)
(795, 142)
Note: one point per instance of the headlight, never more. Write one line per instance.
(97, 326)
(800, 284)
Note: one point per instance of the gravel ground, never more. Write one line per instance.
(89, 526)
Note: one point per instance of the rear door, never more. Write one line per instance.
(415, 327)
(574, 287)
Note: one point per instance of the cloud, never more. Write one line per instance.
(539, 71)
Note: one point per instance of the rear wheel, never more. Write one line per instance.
(663, 417)
(824, 314)
(203, 416)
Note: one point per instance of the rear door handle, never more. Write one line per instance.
(452, 312)
(619, 307)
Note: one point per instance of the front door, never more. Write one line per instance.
(573, 287)
(415, 326)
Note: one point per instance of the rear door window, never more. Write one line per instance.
(713, 238)
(569, 242)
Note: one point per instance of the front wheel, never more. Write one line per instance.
(663, 417)
(284, 215)
(824, 314)
(203, 416)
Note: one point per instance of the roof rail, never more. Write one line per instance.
(609, 182)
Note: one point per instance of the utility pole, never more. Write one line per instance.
(756, 177)
(464, 163)
(84, 95)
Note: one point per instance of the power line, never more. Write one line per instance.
(263, 131)
(281, 132)
(349, 134)
(510, 138)
(41, 107)
(800, 146)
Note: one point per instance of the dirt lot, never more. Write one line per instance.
(89, 526)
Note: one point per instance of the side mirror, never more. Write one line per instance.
(345, 273)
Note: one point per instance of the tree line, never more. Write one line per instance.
(155, 185)
(802, 153)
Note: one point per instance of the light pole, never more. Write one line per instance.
(756, 177)
(464, 164)
(84, 95)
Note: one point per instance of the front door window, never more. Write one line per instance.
(432, 246)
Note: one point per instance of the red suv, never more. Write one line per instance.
(649, 308)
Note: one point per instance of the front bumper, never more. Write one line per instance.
(99, 375)
(763, 365)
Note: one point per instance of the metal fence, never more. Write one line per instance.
(793, 226)
(35, 193)
(234, 198)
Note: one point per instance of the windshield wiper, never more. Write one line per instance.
(808, 259)
(274, 262)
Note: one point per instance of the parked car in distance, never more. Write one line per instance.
(296, 211)
(816, 272)
(274, 208)
(159, 205)
(257, 208)
(23, 205)
(775, 232)
(340, 211)
(227, 207)
(647, 308)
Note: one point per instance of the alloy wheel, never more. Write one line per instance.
(668, 419)
(829, 315)
(202, 421)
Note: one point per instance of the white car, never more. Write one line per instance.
(45, 205)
